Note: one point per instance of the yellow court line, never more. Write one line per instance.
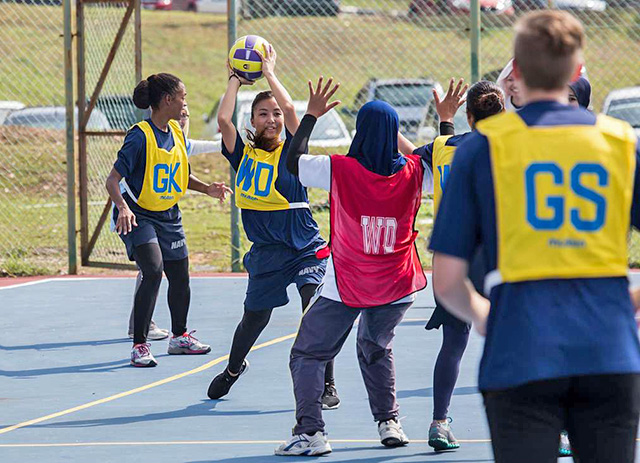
(139, 389)
(218, 442)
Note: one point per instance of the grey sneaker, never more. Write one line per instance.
(565, 445)
(330, 399)
(155, 333)
(441, 437)
(187, 344)
(391, 433)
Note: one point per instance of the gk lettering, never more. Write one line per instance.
(374, 228)
(251, 175)
(164, 178)
(557, 203)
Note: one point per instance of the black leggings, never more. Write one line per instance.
(149, 260)
(253, 323)
(600, 412)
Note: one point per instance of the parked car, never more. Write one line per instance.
(157, 4)
(330, 130)
(120, 111)
(428, 7)
(54, 117)
(430, 127)
(409, 97)
(624, 104)
(215, 6)
(590, 5)
(8, 106)
(263, 8)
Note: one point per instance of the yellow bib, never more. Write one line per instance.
(166, 174)
(256, 181)
(563, 198)
(441, 159)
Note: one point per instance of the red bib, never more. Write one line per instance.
(372, 236)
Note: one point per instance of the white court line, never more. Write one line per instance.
(48, 280)
(29, 283)
(219, 442)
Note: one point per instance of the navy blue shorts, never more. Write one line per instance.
(273, 268)
(164, 228)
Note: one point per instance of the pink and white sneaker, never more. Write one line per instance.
(187, 344)
(141, 356)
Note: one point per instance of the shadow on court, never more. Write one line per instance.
(89, 368)
(62, 345)
(205, 408)
(428, 392)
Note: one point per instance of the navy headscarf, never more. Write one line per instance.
(375, 144)
(582, 89)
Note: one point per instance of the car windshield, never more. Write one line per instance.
(327, 127)
(404, 94)
(627, 110)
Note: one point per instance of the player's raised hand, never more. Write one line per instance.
(453, 99)
(268, 60)
(319, 97)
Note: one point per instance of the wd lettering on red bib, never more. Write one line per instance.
(375, 227)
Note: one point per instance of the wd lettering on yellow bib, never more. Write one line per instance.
(166, 174)
(256, 181)
(442, 158)
(563, 198)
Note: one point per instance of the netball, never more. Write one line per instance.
(243, 57)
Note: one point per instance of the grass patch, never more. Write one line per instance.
(194, 46)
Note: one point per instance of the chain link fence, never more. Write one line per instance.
(396, 50)
(33, 206)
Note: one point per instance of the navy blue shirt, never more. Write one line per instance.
(294, 228)
(542, 329)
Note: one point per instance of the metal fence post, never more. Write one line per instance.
(71, 165)
(235, 216)
(475, 40)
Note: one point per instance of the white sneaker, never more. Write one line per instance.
(391, 433)
(187, 344)
(141, 356)
(305, 445)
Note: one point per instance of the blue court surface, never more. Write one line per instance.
(67, 392)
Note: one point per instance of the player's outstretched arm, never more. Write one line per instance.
(280, 93)
(227, 105)
(317, 106)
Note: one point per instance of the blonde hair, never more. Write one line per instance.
(548, 48)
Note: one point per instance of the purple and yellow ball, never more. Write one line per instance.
(243, 57)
